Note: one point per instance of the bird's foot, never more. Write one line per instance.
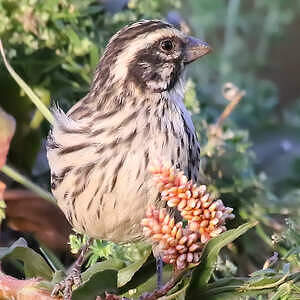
(66, 286)
(73, 279)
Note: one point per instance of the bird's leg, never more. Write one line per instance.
(159, 271)
(158, 293)
(73, 278)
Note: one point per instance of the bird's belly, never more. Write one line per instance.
(116, 197)
(108, 189)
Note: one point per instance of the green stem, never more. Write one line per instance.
(32, 96)
(10, 172)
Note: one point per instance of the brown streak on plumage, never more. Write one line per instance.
(146, 156)
(147, 129)
(88, 113)
(104, 162)
(116, 172)
(79, 191)
(174, 131)
(105, 115)
(74, 148)
(97, 132)
(51, 144)
(98, 213)
(130, 137)
(128, 119)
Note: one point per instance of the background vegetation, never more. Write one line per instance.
(252, 160)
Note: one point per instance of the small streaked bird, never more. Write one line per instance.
(100, 150)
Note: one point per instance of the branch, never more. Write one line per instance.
(233, 94)
(16, 176)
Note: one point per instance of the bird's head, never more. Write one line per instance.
(151, 55)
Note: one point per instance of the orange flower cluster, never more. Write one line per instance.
(203, 213)
(206, 217)
(177, 245)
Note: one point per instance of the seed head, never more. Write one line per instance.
(177, 245)
(204, 214)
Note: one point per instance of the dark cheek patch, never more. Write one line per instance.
(143, 77)
(155, 76)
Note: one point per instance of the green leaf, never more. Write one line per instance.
(261, 282)
(270, 282)
(99, 283)
(222, 289)
(110, 264)
(149, 285)
(23, 180)
(34, 264)
(52, 259)
(127, 273)
(58, 276)
(202, 273)
(283, 290)
(32, 96)
(230, 289)
(264, 272)
(180, 292)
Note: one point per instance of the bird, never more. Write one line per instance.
(99, 151)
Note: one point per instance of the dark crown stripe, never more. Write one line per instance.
(139, 30)
(136, 30)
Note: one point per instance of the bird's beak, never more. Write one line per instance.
(195, 49)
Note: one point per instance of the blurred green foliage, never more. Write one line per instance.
(55, 46)
(243, 34)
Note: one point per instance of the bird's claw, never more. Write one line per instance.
(66, 286)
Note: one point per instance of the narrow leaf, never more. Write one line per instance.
(52, 259)
(97, 285)
(149, 284)
(202, 273)
(110, 264)
(284, 290)
(180, 292)
(223, 289)
(23, 180)
(32, 96)
(34, 264)
(127, 273)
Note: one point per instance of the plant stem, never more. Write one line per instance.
(15, 175)
(32, 96)
(229, 108)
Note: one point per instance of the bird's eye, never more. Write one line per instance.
(167, 45)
